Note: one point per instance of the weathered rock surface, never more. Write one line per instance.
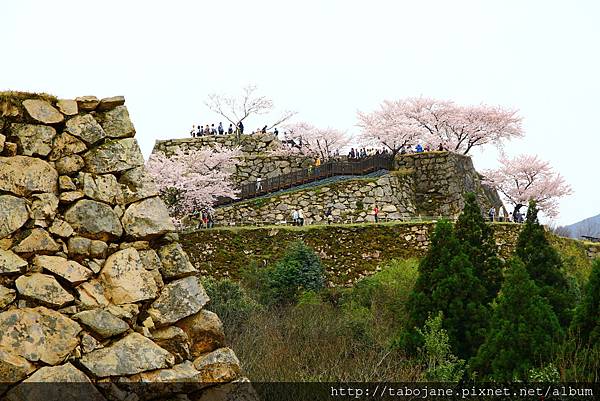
(38, 240)
(34, 139)
(7, 296)
(43, 288)
(103, 188)
(218, 366)
(61, 228)
(133, 354)
(94, 220)
(13, 214)
(38, 334)
(76, 386)
(42, 111)
(63, 267)
(65, 145)
(109, 103)
(116, 123)
(175, 262)
(67, 107)
(92, 294)
(125, 278)
(11, 262)
(137, 184)
(13, 368)
(146, 219)
(174, 340)
(22, 175)
(102, 322)
(44, 206)
(87, 103)
(86, 128)
(205, 332)
(70, 164)
(114, 156)
(178, 300)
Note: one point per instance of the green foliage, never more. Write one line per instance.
(298, 271)
(545, 268)
(547, 374)
(442, 365)
(447, 283)
(522, 330)
(478, 243)
(230, 301)
(360, 205)
(586, 320)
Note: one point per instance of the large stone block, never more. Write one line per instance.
(94, 220)
(125, 278)
(114, 156)
(13, 214)
(147, 218)
(23, 175)
(42, 111)
(178, 300)
(33, 139)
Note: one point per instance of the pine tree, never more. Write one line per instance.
(447, 284)
(522, 329)
(586, 319)
(477, 241)
(545, 267)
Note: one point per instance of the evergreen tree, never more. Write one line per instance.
(522, 328)
(447, 284)
(477, 240)
(586, 320)
(545, 267)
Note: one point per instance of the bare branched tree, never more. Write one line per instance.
(237, 109)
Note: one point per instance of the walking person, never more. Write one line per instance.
(300, 217)
(329, 215)
(376, 213)
(295, 217)
(259, 186)
(492, 214)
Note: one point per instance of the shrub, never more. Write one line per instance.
(442, 365)
(299, 270)
(586, 320)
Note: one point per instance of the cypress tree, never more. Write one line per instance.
(477, 241)
(447, 284)
(545, 267)
(522, 329)
(586, 319)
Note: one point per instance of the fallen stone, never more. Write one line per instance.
(137, 184)
(37, 241)
(218, 366)
(177, 300)
(65, 145)
(114, 156)
(7, 296)
(205, 332)
(75, 386)
(50, 336)
(87, 103)
(128, 356)
(22, 175)
(33, 139)
(109, 103)
(42, 111)
(102, 322)
(43, 288)
(70, 270)
(70, 164)
(125, 278)
(44, 206)
(175, 262)
(67, 107)
(11, 263)
(116, 123)
(86, 128)
(13, 368)
(147, 219)
(13, 214)
(94, 220)
(103, 188)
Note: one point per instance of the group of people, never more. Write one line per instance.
(408, 149)
(200, 130)
(205, 218)
(297, 217)
(503, 216)
(362, 153)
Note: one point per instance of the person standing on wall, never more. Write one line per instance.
(329, 215)
(300, 217)
(492, 214)
(241, 128)
(376, 213)
(295, 217)
(220, 129)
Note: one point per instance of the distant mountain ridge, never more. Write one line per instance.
(589, 227)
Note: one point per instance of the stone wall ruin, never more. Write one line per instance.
(94, 286)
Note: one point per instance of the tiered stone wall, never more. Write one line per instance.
(259, 154)
(95, 287)
(441, 180)
(351, 201)
(348, 252)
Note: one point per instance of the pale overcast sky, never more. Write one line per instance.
(325, 60)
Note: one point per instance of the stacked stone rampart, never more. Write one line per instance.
(261, 155)
(95, 287)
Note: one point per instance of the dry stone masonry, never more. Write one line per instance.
(94, 287)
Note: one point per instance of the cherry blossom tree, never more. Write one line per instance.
(321, 142)
(236, 109)
(457, 128)
(193, 180)
(526, 177)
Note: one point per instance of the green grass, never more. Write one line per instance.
(17, 97)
